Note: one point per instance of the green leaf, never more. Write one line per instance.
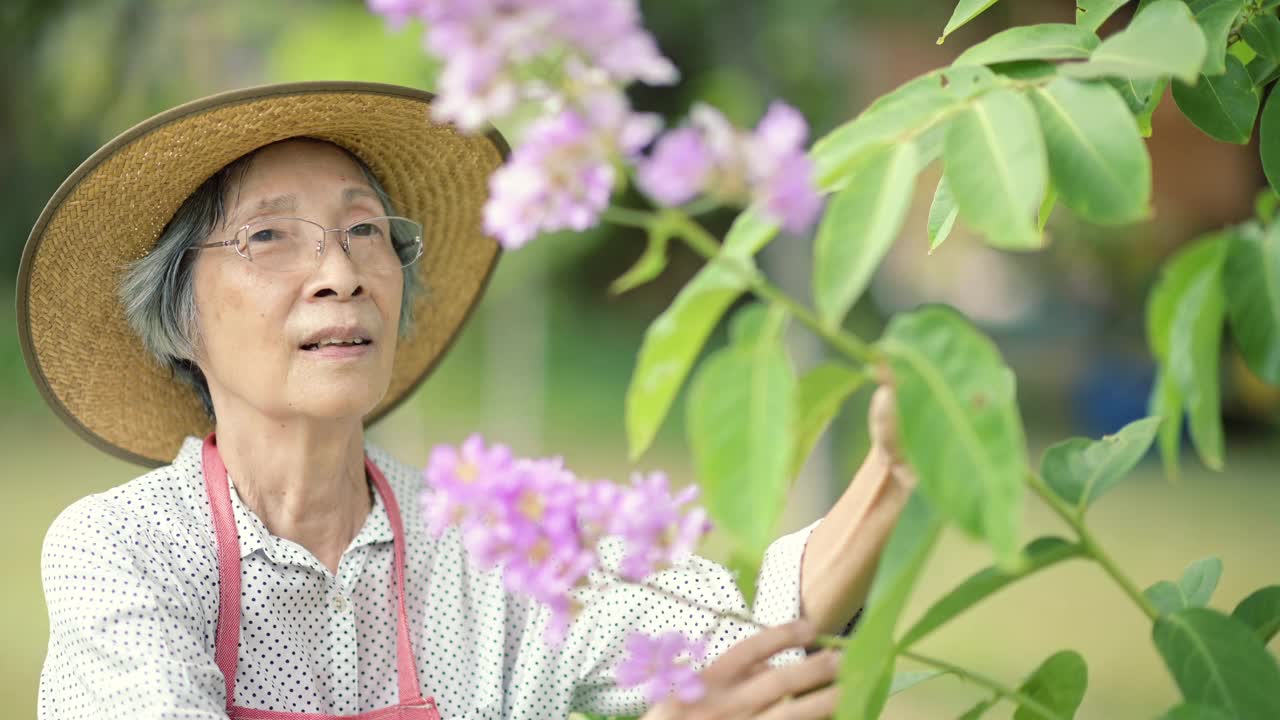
(670, 346)
(1195, 345)
(1261, 611)
(1199, 581)
(1264, 205)
(1194, 589)
(904, 681)
(1243, 52)
(1167, 404)
(1263, 71)
(1097, 159)
(1262, 33)
(675, 338)
(651, 263)
(1143, 96)
(757, 322)
(997, 170)
(1049, 41)
(1223, 106)
(1195, 711)
(750, 232)
(965, 11)
(744, 565)
(912, 106)
(1163, 39)
(1135, 93)
(942, 214)
(1153, 102)
(820, 395)
(929, 146)
(978, 710)
(1166, 597)
(959, 423)
(1269, 139)
(740, 409)
(1219, 661)
(1030, 70)
(1253, 299)
(1184, 328)
(1046, 207)
(1040, 553)
(1080, 470)
(1090, 14)
(869, 658)
(1058, 685)
(859, 226)
(908, 111)
(1216, 17)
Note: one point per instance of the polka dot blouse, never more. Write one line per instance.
(131, 581)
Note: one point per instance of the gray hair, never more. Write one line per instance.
(157, 291)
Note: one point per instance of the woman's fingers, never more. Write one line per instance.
(783, 685)
(883, 420)
(815, 705)
(736, 663)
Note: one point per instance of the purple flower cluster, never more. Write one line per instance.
(574, 57)
(486, 43)
(562, 175)
(544, 526)
(767, 167)
(662, 665)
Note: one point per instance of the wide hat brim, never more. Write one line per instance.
(89, 364)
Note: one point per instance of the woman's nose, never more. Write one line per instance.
(335, 273)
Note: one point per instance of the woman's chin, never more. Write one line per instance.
(337, 403)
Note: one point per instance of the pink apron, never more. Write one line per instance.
(412, 705)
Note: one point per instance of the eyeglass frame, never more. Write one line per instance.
(345, 243)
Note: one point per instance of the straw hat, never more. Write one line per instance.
(86, 360)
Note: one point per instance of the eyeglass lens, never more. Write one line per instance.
(292, 243)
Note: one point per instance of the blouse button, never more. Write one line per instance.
(339, 603)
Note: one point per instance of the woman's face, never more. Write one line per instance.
(266, 338)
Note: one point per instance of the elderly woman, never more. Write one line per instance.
(231, 291)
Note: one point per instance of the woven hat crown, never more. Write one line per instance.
(86, 360)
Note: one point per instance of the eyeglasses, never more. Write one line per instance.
(285, 244)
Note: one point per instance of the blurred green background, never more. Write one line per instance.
(544, 364)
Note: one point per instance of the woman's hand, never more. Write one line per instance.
(843, 551)
(741, 683)
(882, 418)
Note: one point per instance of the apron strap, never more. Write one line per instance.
(227, 647)
(410, 690)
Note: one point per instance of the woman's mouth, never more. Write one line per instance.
(336, 343)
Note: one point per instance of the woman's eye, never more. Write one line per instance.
(265, 235)
(366, 230)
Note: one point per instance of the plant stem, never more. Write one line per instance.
(825, 641)
(676, 597)
(1007, 693)
(1090, 544)
(630, 218)
(702, 242)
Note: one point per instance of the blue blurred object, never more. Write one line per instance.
(1111, 392)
